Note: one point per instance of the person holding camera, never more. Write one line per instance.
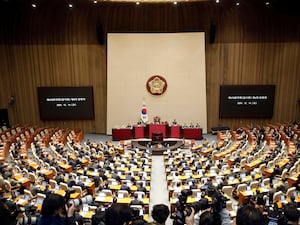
(8, 212)
(209, 217)
(292, 214)
(55, 211)
(211, 213)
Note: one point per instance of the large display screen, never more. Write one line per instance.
(246, 101)
(66, 103)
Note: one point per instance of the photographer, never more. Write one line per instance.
(118, 214)
(209, 218)
(215, 211)
(249, 215)
(8, 212)
(55, 211)
(292, 214)
(160, 214)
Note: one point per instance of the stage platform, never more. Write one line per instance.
(158, 148)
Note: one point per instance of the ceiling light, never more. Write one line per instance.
(70, 5)
(237, 4)
(175, 3)
(267, 3)
(95, 1)
(217, 1)
(137, 3)
(33, 5)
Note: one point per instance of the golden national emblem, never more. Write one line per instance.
(156, 85)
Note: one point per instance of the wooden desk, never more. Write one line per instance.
(175, 131)
(24, 181)
(244, 196)
(133, 188)
(104, 199)
(138, 132)
(67, 168)
(62, 193)
(253, 164)
(90, 188)
(226, 151)
(109, 199)
(3, 152)
(33, 165)
(192, 133)
(283, 162)
(293, 179)
(87, 215)
(121, 134)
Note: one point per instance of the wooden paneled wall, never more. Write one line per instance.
(56, 46)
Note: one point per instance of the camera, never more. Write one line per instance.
(81, 201)
(10, 210)
(88, 199)
(217, 203)
(183, 209)
(218, 199)
(275, 215)
(30, 216)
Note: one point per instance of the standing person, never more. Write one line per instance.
(249, 215)
(55, 211)
(160, 214)
(118, 214)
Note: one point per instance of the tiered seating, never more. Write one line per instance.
(239, 165)
(59, 162)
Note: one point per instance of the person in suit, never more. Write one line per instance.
(160, 214)
(125, 187)
(249, 215)
(53, 209)
(136, 200)
(141, 187)
(118, 214)
(193, 185)
(72, 181)
(115, 175)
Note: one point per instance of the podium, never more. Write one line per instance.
(175, 131)
(138, 132)
(157, 128)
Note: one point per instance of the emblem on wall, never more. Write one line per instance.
(156, 85)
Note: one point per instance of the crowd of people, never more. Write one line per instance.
(59, 210)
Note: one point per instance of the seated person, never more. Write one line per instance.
(174, 122)
(141, 187)
(125, 187)
(136, 200)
